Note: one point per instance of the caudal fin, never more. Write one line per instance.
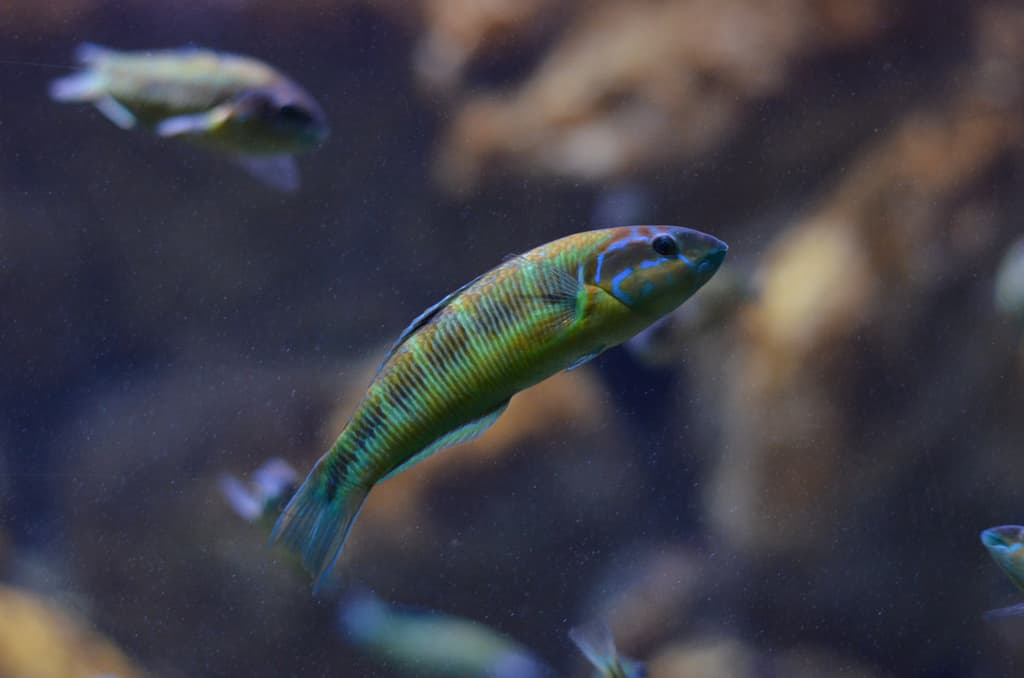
(316, 522)
(84, 86)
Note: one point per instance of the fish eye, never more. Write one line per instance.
(665, 245)
(294, 113)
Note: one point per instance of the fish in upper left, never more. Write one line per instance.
(1006, 546)
(232, 103)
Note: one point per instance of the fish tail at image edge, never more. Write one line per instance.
(316, 524)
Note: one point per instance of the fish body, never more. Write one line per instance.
(451, 374)
(225, 101)
(1006, 546)
(426, 643)
(595, 641)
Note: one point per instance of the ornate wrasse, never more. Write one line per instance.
(451, 374)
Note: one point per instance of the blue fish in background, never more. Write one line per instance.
(596, 643)
(427, 643)
(1006, 546)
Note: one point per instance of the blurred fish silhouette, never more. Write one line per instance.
(1009, 290)
(453, 371)
(1006, 546)
(596, 643)
(232, 103)
(260, 498)
(424, 643)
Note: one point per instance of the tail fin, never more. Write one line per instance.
(316, 522)
(84, 86)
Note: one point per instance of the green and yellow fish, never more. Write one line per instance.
(451, 374)
(229, 102)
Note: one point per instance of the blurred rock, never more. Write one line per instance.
(811, 662)
(40, 640)
(633, 85)
(705, 657)
(910, 222)
(458, 32)
(869, 419)
(645, 595)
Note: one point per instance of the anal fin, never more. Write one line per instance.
(114, 111)
(463, 434)
(584, 360)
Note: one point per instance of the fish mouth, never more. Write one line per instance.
(712, 261)
(716, 256)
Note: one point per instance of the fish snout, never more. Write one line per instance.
(713, 257)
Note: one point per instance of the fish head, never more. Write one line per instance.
(1006, 546)
(654, 269)
(281, 118)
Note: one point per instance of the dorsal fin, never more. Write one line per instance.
(423, 318)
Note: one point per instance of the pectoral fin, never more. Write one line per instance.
(193, 123)
(463, 434)
(114, 111)
(559, 294)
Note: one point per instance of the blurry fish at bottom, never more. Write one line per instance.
(1006, 546)
(425, 643)
(233, 103)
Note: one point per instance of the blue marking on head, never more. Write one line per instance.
(619, 245)
(647, 288)
(1014, 547)
(617, 282)
(600, 265)
(650, 263)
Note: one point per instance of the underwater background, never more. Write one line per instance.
(790, 484)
